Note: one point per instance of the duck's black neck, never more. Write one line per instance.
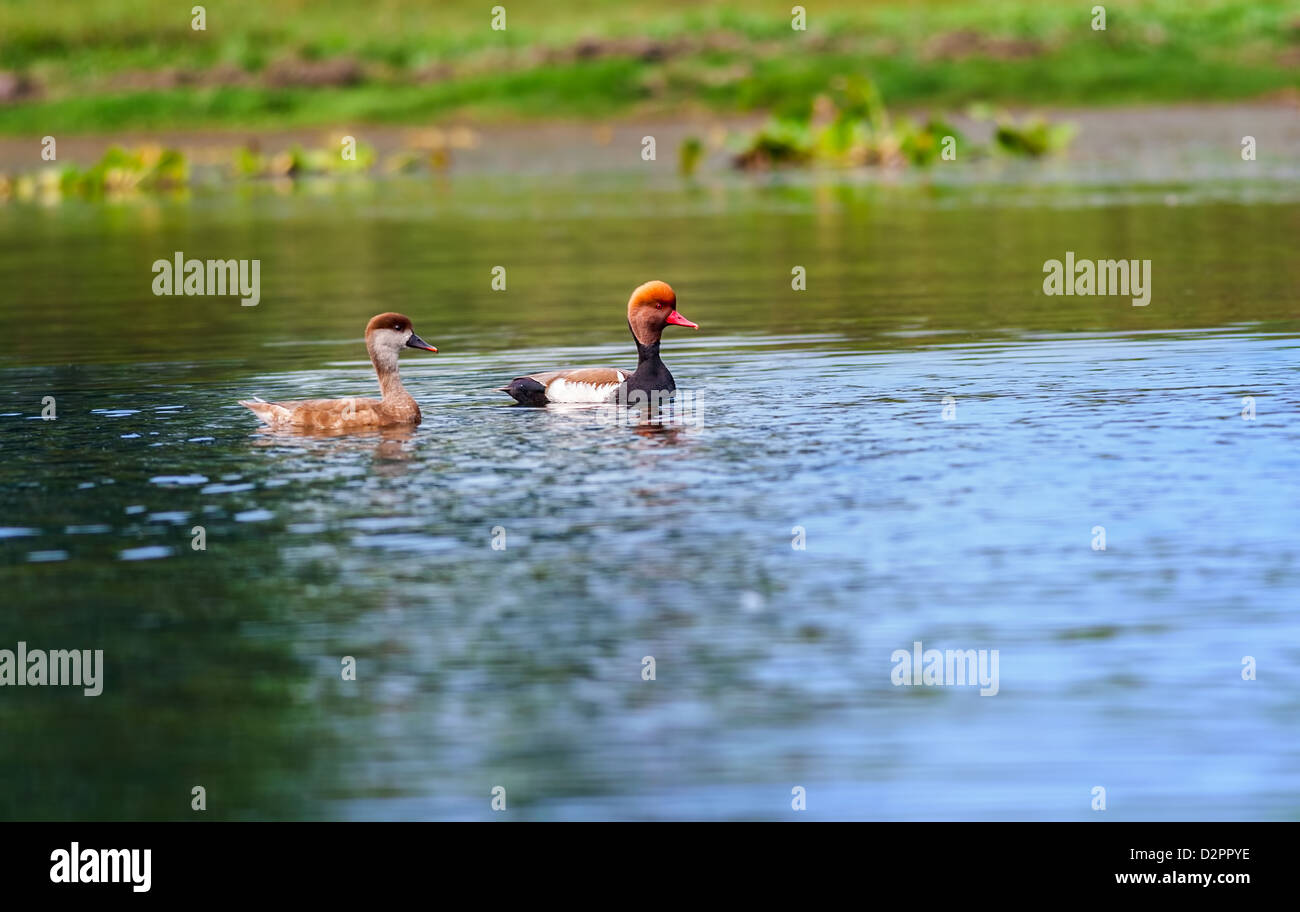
(647, 354)
(651, 373)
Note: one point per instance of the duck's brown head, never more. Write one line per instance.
(389, 333)
(652, 307)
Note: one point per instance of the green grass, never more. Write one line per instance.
(1152, 50)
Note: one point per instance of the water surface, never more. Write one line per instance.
(821, 409)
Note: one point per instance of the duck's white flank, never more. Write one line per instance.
(562, 390)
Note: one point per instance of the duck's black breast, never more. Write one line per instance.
(651, 381)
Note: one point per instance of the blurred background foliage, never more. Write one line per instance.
(138, 64)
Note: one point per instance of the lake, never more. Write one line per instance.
(918, 447)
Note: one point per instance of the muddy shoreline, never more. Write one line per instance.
(1158, 141)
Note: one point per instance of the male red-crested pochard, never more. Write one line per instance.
(651, 307)
(386, 335)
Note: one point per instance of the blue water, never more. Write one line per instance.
(522, 668)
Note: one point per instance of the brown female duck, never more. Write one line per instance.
(386, 335)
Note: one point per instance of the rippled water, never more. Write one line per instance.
(821, 409)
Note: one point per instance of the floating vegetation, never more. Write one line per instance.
(120, 172)
(778, 142)
(155, 168)
(346, 156)
(1033, 138)
(426, 150)
(689, 155)
(924, 144)
(850, 127)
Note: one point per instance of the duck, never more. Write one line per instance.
(386, 335)
(652, 307)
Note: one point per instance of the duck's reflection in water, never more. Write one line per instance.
(391, 446)
(657, 425)
(658, 430)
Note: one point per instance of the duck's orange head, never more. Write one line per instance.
(391, 332)
(652, 307)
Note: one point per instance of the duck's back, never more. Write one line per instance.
(334, 413)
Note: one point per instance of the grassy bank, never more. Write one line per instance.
(138, 64)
